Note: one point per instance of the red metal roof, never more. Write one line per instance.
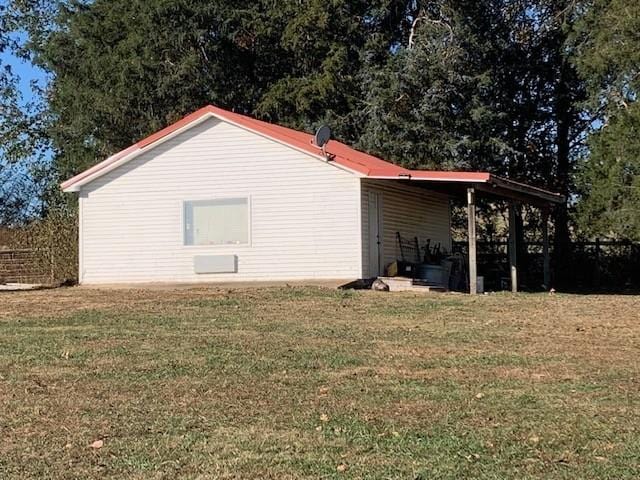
(341, 154)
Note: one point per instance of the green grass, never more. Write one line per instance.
(317, 383)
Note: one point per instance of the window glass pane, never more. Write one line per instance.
(217, 222)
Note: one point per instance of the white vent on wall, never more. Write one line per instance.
(215, 263)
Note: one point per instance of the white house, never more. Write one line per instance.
(219, 196)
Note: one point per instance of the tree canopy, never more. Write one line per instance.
(19, 155)
(514, 87)
(609, 178)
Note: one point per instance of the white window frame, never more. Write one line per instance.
(210, 198)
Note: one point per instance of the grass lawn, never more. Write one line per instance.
(315, 383)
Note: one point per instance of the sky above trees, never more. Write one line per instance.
(26, 72)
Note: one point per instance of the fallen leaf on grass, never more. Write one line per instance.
(341, 468)
(324, 417)
(565, 458)
(97, 444)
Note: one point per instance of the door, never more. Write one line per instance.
(376, 259)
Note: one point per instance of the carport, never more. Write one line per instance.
(471, 185)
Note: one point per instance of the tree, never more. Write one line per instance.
(609, 178)
(429, 104)
(444, 84)
(486, 85)
(122, 69)
(19, 147)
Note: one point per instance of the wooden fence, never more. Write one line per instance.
(591, 265)
(22, 266)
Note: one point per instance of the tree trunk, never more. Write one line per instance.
(564, 117)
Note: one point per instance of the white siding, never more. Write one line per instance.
(305, 215)
(412, 211)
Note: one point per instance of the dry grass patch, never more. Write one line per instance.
(317, 383)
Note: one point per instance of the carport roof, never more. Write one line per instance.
(344, 156)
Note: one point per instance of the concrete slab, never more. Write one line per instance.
(17, 287)
(405, 284)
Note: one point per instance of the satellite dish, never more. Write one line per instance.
(322, 136)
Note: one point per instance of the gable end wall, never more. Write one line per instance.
(305, 215)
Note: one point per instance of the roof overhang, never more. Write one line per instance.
(503, 187)
(491, 185)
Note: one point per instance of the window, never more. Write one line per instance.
(217, 222)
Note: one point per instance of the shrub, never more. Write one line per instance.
(54, 240)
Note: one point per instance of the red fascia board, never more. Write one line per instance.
(435, 175)
(430, 175)
(337, 152)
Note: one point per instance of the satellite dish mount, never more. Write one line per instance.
(321, 138)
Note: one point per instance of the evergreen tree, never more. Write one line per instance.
(122, 69)
(609, 180)
(478, 84)
(428, 105)
(462, 84)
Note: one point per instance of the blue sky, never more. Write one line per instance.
(18, 174)
(26, 72)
